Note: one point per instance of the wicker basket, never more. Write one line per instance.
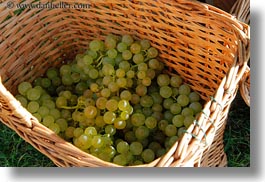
(205, 45)
(241, 10)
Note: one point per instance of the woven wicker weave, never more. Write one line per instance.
(205, 45)
(241, 10)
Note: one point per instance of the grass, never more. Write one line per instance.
(15, 152)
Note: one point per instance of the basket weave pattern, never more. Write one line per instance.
(204, 44)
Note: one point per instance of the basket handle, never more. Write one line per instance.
(244, 86)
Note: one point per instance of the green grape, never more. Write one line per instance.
(130, 74)
(87, 60)
(78, 132)
(147, 111)
(43, 111)
(36, 82)
(157, 98)
(110, 129)
(66, 94)
(168, 115)
(126, 95)
(138, 58)
(69, 132)
(101, 103)
(183, 100)
(23, 88)
(157, 107)
(108, 60)
(152, 52)
(160, 152)
(33, 94)
(123, 147)
(120, 73)
(109, 117)
(135, 99)
(138, 119)
(112, 105)
(187, 111)
(106, 80)
(94, 87)
(178, 120)
(37, 116)
(154, 146)
(95, 45)
(175, 81)
(150, 122)
(67, 80)
(92, 53)
(125, 65)
(150, 73)
(146, 81)
(141, 74)
(51, 73)
(110, 41)
(65, 70)
(165, 91)
(136, 148)
(66, 114)
(97, 141)
(120, 160)
(130, 136)
(55, 113)
(172, 140)
(55, 128)
(113, 86)
(105, 92)
(141, 90)
(119, 123)
(141, 132)
(181, 131)
(108, 69)
(48, 103)
(46, 82)
(184, 89)
(62, 124)
(162, 124)
(119, 59)
(163, 80)
(127, 55)
(112, 53)
(91, 131)
(123, 105)
(122, 46)
(188, 120)
(99, 121)
(124, 115)
(90, 111)
(33, 106)
(153, 64)
(148, 155)
(170, 130)
(47, 120)
(121, 82)
(61, 102)
(56, 81)
(23, 101)
(135, 48)
(175, 108)
(127, 39)
(146, 101)
(194, 97)
(157, 115)
(196, 107)
(84, 141)
(93, 73)
(145, 44)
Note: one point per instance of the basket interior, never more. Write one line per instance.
(200, 49)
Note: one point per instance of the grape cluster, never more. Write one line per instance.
(114, 101)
